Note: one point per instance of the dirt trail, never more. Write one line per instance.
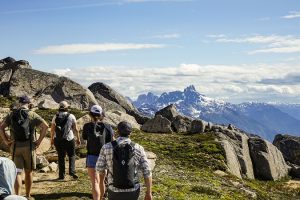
(46, 185)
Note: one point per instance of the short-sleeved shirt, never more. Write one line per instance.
(94, 142)
(34, 121)
(8, 173)
(69, 135)
(105, 161)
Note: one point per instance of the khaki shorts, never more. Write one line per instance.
(23, 157)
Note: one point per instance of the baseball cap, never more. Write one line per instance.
(124, 128)
(63, 105)
(96, 109)
(24, 99)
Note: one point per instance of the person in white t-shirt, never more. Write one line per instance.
(63, 128)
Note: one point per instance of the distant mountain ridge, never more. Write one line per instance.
(263, 119)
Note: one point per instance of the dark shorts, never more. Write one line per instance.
(91, 161)
(123, 195)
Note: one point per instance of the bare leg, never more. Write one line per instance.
(18, 183)
(28, 181)
(95, 180)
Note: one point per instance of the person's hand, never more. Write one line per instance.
(148, 196)
(37, 144)
(78, 141)
(9, 142)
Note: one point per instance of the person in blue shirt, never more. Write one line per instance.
(8, 174)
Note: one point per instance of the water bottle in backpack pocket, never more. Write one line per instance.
(124, 166)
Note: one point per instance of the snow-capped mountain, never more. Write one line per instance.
(263, 119)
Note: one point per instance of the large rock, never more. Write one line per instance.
(158, 124)
(197, 126)
(11, 63)
(113, 117)
(44, 146)
(37, 84)
(4, 81)
(168, 112)
(289, 147)
(268, 162)
(151, 158)
(237, 153)
(47, 102)
(112, 100)
(181, 124)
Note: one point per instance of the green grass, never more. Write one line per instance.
(6, 102)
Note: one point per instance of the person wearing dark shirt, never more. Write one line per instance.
(97, 134)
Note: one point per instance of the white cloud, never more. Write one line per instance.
(239, 82)
(167, 36)
(92, 48)
(216, 36)
(271, 89)
(292, 15)
(273, 43)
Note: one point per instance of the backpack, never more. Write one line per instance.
(100, 132)
(61, 125)
(124, 168)
(20, 125)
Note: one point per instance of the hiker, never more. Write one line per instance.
(63, 127)
(22, 123)
(97, 134)
(8, 174)
(122, 158)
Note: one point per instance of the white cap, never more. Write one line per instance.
(64, 104)
(96, 109)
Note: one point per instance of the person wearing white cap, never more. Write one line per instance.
(97, 134)
(63, 127)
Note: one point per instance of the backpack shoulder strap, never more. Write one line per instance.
(114, 143)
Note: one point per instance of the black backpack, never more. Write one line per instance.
(100, 132)
(124, 168)
(20, 125)
(61, 125)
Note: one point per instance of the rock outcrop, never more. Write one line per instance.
(289, 147)
(168, 112)
(179, 123)
(236, 149)
(113, 117)
(17, 79)
(112, 100)
(268, 162)
(158, 124)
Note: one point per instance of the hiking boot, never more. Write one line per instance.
(74, 176)
(61, 178)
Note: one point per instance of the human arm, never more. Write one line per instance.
(52, 133)
(85, 132)
(100, 168)
(144, 165)
(76, 131)
(148, 184)
(102, 185)
(43, 131)
(3, 135)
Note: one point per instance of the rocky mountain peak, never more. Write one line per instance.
(190, 89)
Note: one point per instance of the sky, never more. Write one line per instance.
(232, 50)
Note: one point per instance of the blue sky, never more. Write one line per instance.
(232, 50)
